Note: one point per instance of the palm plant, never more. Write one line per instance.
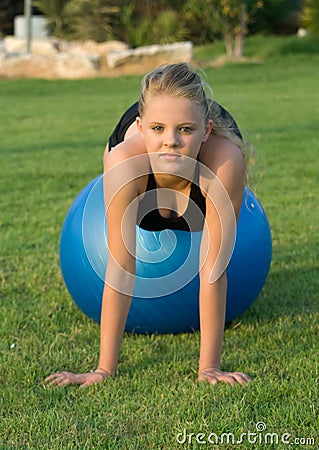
(91, 19)
(55, 12)
(143, 22)
(168, 27)
(310, 15)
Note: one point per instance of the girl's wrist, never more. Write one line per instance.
(207, 369)
(105, 373)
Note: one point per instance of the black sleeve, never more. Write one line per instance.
(121, 128)
(222, 118)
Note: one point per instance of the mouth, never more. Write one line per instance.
(170, 156)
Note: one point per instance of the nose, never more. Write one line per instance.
(171, 139)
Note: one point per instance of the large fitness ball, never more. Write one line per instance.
(166, 291)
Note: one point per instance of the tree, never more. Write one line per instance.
(310, 15)
(229, 18)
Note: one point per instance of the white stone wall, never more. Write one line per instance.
(55, 58)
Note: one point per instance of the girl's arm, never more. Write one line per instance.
(223, 204)
(120, 190)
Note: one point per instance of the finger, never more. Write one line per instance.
(212, 380)
(89, 383)
(242, 377)
(60, 379)
(56, 381)
(229, 379)
(52, 376)
(234, 378)
(66, 382)
(86, 384)
(208, 378)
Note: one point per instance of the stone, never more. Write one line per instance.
(57, 58)
(49, 66)
(90, 47)
(168, 53)
(48, 46)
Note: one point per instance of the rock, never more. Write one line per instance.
(57, 58)
(177, 52)
(52, 46)
(90, 47)
(49, 66)
(48, 46)
(77, 66)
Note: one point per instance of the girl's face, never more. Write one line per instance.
(173, 128)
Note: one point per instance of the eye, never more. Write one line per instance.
(157, 128)
(186, 129)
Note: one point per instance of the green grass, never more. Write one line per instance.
(261, 47)
(52, 139)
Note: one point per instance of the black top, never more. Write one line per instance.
(148, 216)
(121, 128)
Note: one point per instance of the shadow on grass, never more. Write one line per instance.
(292, 285)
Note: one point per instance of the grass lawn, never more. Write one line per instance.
(52, 140)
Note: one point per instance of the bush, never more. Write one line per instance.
(90, 19)
(310, 15)
(165, 28)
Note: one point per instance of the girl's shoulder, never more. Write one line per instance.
(131, 149)
(219, 153)
(224, 160)
(128, 162)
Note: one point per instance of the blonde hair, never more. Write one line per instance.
(178, 80)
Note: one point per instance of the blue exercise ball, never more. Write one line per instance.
(166, 290)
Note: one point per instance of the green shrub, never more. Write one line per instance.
(90, 19)
(310, 15)
(55, 11)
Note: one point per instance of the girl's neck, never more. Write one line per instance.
(170, 181)
(177, 181)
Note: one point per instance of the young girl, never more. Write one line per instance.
(185, 148)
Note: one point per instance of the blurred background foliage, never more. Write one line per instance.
(145, 22)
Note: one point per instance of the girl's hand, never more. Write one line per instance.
(83, 379)
(213, 375)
